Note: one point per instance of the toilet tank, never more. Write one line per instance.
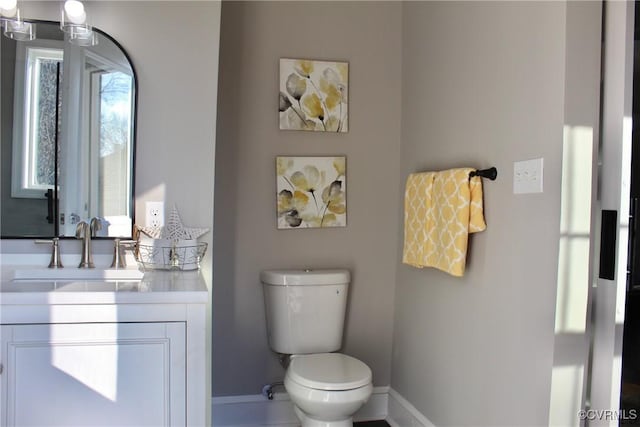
(305, 309)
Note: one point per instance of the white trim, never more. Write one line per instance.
(608, 301)
(401, 413)
(23, 157)
(376, 407)
(255, 410)
(106, 63)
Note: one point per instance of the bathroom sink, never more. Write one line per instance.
(77, 274)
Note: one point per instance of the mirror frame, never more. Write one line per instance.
(55, 226)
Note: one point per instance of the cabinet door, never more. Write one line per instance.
(93, 374)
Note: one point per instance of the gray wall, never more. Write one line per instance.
(484, 85)
(254, 36)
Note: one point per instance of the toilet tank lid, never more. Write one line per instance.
(305, 277)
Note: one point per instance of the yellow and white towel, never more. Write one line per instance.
(440, 210)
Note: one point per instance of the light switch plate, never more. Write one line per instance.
(528, 176)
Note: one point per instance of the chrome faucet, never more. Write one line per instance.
(119, 259)
(86, 231)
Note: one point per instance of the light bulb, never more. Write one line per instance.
(75, 11)
(8, 8)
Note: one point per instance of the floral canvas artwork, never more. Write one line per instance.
(311, 192)
(314, 95)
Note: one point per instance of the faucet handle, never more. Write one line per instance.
(55, 251)
(119, 260)
(95, 225)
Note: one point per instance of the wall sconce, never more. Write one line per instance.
(73, 21)
(12, 25)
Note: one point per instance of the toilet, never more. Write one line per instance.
(305, 312)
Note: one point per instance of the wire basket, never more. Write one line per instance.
(174, 257)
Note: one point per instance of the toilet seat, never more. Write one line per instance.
(329, 371)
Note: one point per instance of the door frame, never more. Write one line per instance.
(608, 296)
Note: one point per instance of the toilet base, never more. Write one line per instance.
(307, 421)
(326, 408)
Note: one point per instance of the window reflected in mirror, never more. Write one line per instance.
(112, 120)
(35, 120)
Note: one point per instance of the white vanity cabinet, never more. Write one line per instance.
(82, 374)
(104, 353)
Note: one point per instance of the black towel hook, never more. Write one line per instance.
(490, 173)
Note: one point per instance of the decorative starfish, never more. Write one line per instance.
(175, 230)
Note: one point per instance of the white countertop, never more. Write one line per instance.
(155, 287)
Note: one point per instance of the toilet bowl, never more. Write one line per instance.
(327, 388)
(305, 311)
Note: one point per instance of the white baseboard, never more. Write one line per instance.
(401, 413)
(256, 410)
(376, 407)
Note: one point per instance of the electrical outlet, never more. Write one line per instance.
(155, 214)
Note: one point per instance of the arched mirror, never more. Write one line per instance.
(68, 135)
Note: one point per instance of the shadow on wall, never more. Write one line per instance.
(230, 120)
